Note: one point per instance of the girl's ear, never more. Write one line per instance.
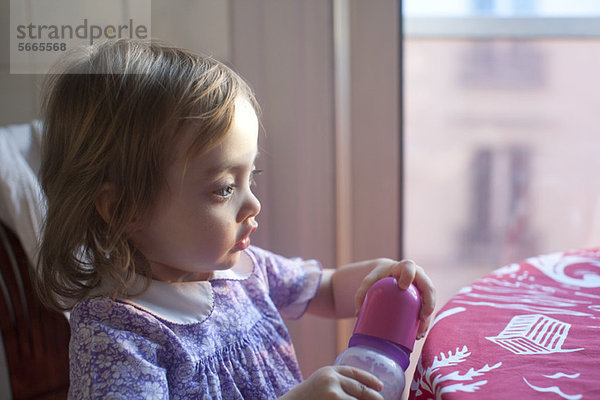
(106, 201)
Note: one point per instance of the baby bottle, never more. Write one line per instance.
(384, 335)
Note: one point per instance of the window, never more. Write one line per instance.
(501, 136)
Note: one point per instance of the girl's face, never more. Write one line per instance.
(205, 217)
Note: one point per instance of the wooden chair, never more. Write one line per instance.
(35, 339)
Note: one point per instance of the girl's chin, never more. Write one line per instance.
(170, 274)
(229, 261)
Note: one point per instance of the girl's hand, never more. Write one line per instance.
(405, 272)
(337, 382)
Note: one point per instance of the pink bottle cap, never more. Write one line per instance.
(390, 313)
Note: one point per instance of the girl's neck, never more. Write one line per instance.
(164, 276)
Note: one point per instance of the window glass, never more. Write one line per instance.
(501, 136)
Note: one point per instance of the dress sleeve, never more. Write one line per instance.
(293, 282)
(110, 362)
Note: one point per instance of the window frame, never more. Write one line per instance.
(498, 27)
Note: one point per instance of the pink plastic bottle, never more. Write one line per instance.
(384, 335)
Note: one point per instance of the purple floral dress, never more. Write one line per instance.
(217, 339)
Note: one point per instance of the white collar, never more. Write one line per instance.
(186, 302)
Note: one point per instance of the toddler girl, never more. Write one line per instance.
(148, 164)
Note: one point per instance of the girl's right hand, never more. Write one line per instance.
(337, 382)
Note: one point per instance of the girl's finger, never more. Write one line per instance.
(425, 286)
(428, 295)
(360, 384)
(366, 283)
(407, 272)
(404, 272)
(423, 327)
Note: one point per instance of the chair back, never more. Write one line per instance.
(36, 340)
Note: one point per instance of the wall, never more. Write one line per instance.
(285, 49)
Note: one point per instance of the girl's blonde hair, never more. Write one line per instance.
(112, 116)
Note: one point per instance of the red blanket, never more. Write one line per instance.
(526, 331)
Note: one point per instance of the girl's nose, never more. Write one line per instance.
(250, 208)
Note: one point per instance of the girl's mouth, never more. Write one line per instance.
(244, 242)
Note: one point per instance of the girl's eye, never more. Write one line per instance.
(226, 191)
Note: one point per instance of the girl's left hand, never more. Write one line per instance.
(405, 272)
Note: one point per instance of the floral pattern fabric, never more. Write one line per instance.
(241, 350)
